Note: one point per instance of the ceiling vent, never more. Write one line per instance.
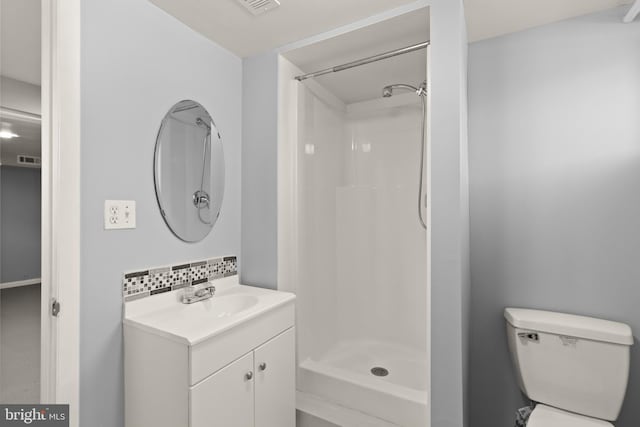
(258, 7)
(28, 160)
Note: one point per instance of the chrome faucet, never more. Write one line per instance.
(199, 295)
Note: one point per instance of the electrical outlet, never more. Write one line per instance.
(119, 214)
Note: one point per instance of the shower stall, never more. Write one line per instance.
(353, 219)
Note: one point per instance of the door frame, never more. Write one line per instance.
(60, 336)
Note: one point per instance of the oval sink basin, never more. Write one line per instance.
(228, 305)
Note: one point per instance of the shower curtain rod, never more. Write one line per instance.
(364, 61)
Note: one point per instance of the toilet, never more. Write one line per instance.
(574, 368)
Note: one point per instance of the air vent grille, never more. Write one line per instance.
(28, 160)
(258, 7)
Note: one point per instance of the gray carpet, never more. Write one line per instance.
(20, 344)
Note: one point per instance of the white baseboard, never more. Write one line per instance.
(19, 283)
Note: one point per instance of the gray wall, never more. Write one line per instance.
(19, 223)
(555, 202)
(137, 61)
(259, 260)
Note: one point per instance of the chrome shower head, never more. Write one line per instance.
(387, 91)
(203, 124)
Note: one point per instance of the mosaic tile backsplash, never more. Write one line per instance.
(140, 284)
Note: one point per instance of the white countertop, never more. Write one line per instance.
(191, 324)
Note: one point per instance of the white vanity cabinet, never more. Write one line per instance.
(275, 382)
(226, 398)
(259, 386)
(225, 373)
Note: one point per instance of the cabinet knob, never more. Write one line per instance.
(263, 366)
(248, 376)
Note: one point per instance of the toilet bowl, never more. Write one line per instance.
(546, 416)
(574, 368)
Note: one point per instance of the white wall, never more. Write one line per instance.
(137, 61)
(380, 252)
(555, 172)
(318, 165)
(19, 95)
(359, 246)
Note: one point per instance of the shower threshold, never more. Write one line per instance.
(380, 379)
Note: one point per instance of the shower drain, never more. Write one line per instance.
(379, 371)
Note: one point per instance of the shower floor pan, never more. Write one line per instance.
(380, 379)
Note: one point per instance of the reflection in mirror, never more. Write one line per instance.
(20, 240)
(189, 171)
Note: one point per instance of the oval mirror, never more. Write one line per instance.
(189, 171)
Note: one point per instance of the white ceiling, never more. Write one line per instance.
(28, 143)
(491, 18)
(20, 60)
(20, 40)
(230, 25)
(366, 81)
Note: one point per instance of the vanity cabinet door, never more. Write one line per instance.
(225, 399)
(275, 382)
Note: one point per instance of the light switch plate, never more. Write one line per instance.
(119, 214)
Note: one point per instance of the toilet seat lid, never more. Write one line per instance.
(546, 416)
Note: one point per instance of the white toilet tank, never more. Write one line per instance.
(575, 363)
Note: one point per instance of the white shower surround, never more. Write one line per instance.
(352, 249)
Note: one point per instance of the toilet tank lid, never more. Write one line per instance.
(570, 325)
